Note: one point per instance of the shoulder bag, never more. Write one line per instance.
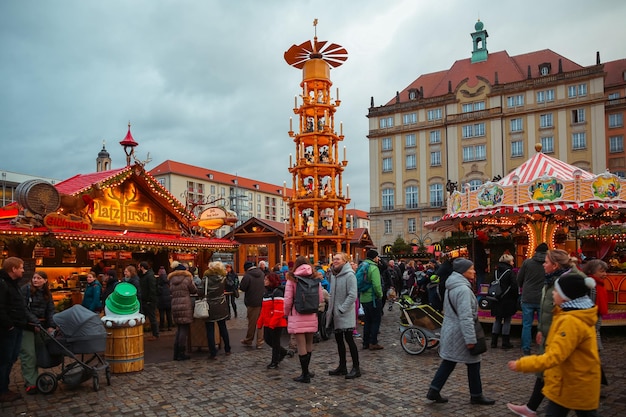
(481, 342)
(201, 309)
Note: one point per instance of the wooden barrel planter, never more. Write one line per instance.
(124, 349)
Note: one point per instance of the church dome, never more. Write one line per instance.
(103, 153)
(479, 25)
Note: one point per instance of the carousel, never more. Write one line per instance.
(546, 200)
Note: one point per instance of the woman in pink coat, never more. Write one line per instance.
(302, 325)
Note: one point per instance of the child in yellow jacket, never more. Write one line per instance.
(570, 364)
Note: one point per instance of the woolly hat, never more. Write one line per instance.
(247, 265)
(543, 247)
(571, 286)
(371, 254)
(174, 264)
(180, 267)
(461, 265)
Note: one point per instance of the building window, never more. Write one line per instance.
(547, 144)
(474, 153)
(616, 144)
(517, 148)
(475, 130)
(435, 158)
(613, 96)
(579, 140)
(577, 90)
(409, 140)
(387, 144)
(515, 101)
(470, 107)
(410, 161)
(386, 122)
(411, 198)
(213, 190)
(388, 202)
(162, 182)
(616, 120)
(388, 229)
(578, 116)
(545, 120)
(412, 225)
(436, 195)
(475, 184)
(546, 95)
(434, 114)
(387, 165)
(410, 118)
(516, 125)
(435, 136)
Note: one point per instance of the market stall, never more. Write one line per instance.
(98, 221)
(543, 200)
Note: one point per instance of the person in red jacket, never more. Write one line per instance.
(597, 270)
(272, 318)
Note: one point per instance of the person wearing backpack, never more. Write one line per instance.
(302, 324)
(506, 306)
(372, 302)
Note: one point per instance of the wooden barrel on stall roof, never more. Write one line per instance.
(38, 196)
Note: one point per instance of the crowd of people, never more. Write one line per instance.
(566, 300)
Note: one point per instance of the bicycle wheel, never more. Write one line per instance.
(413, 341)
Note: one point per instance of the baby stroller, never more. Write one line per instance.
(420, 326)
(81, 333)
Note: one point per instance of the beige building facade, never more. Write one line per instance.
(474, 123)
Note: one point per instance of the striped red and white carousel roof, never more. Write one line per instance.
(540, 165)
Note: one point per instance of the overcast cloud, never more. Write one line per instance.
(205, 82)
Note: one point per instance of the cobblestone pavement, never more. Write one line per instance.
(393, 383)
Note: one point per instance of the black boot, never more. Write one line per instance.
(355, 372)
(342, 369)
(506, 342)
(182, 356)
(482, 400)
(304, 364)
(282, 354)
(311, 373)
(434, 395)
(494, 340)
(176, 352)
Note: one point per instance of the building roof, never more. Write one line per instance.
(509, 69)
(179, 168)
(615, 73)
(358, 214)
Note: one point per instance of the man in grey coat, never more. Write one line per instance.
(458, 334)
(530, 279)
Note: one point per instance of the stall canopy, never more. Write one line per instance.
(125, 207)
(538, 197)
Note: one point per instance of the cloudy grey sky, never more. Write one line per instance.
(205, 82)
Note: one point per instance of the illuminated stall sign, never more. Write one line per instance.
(126, 206)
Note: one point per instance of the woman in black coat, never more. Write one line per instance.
(506, 306)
